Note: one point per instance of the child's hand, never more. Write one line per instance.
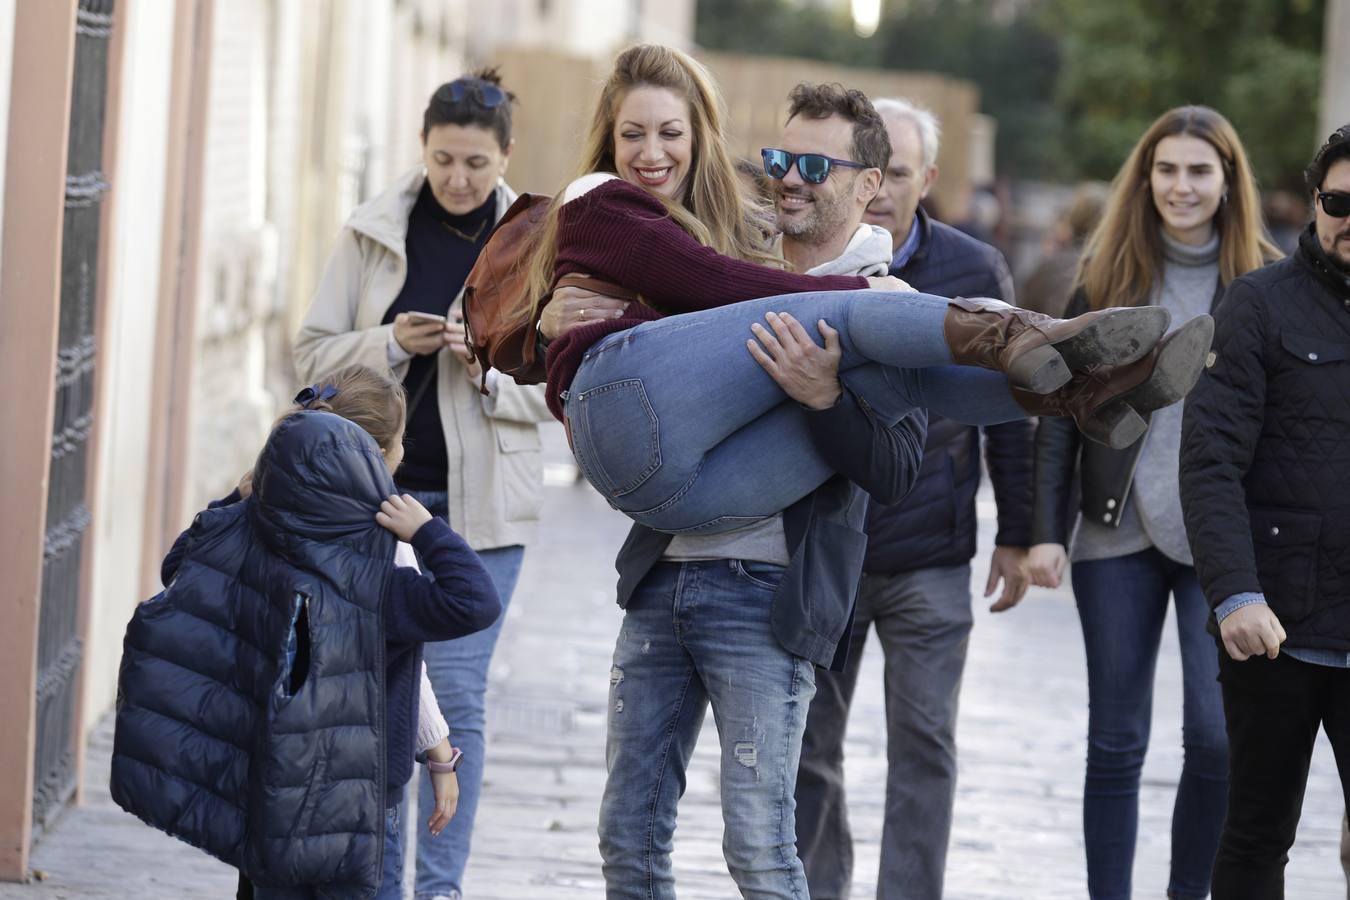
(246, 484)
(445, 785)
(402, 515)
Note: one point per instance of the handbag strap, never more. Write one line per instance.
(595, 285)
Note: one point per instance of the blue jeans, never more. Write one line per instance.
(1122, 603)
(668, 420)
(458, 672)
(391, 882)
(693, 635)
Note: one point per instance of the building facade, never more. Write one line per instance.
(174, 175)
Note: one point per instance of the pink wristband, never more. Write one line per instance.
(456, 756)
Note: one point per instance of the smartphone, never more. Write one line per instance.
(425, 318)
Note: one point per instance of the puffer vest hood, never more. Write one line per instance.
(251, 698)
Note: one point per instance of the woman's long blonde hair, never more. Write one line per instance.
(1123, 259)
(716, 209)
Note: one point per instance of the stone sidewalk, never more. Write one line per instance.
(1017, 824)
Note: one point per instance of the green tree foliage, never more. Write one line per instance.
(1127, 61)
(1014, 63)
(1073, 83)
(781, 28)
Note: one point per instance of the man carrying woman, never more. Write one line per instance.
(681, 428)
(712, 619)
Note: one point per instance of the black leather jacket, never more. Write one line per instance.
(1104, 475)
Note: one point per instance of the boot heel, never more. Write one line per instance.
(1115, 424)
(1181, 359)
(1040, 370)
(1117, 337)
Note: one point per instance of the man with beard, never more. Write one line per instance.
(804, 564)
(916, 585)
(1265, 487)
(820, 219)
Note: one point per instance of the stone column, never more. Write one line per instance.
(1335, 69)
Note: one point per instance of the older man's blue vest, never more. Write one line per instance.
(251, 700)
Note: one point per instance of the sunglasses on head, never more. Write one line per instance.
(813, 167)
(1335, 203)
(484, 93)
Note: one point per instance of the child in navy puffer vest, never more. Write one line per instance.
(268, 698)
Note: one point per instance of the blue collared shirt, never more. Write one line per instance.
(1318, 656)
(907, 249)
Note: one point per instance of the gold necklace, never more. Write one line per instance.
(463, 235)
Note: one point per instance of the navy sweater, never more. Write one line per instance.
(454, 598)
(936, 524)
(440, 257)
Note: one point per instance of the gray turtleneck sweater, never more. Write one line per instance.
(1152, 513)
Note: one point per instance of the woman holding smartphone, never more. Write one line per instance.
(391, 298)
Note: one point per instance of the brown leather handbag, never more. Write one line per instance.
(498, 325)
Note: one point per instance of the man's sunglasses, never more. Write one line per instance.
(813, 167)
(1335, 203)
(484, 93)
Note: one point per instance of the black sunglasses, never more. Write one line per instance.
(813, 167)
(1335, 203)
(484, 93)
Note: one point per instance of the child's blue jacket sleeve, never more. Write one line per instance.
(457, 599)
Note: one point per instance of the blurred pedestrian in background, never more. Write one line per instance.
(916, 583)
(983, 214)
(1265, 481)
(1182, 221)
(1287, 216)
(1050, 285)
(390, 298)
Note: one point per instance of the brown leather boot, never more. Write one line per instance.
(1110, 404)
(1039, 353)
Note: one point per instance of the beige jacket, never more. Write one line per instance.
(492, 442)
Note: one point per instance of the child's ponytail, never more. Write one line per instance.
(374, 400)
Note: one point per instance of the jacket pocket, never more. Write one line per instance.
(521, 470)
(1317, 351)
(1285, 542)
(834, 569)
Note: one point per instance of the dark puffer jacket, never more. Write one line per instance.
(935, 525)
(1265, 448)
(252, 719)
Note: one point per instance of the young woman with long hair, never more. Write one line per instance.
(1182, 221)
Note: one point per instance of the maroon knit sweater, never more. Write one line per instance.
(620, 233)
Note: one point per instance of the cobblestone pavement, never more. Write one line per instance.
(1016, 833)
